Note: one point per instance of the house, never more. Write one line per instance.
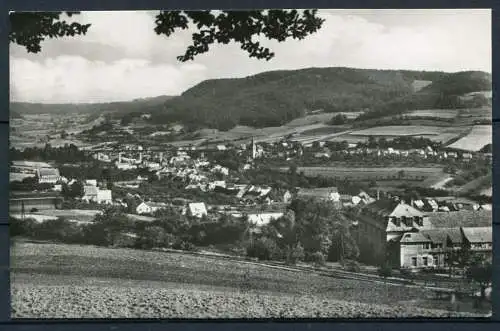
(419, 204)
(91, 182)
(197, 209)
(462, 218)
(381, 225)
(217, 183)
(260, 219)
(221, 147)
(48, 175)
(104, 196)
(430, 205)
(323, 193)
(428, 248)
(478, 239)
(94, 194)
(467, 156)
(287, 196)
(149, 207)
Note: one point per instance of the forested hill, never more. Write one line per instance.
(274, 98)
(137, 105)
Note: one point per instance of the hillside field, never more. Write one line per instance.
(434, 133)
(374, 173)
(478, 137)
(433, 113)
(55, 280)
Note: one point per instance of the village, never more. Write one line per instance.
(412, 234)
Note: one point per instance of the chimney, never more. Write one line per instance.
(161, 157)
(140, 157)
(378, 194)
(412, 202)
(119, 157)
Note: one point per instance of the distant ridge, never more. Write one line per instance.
(136, 105)
(277, 97)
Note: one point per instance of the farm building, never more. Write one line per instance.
(428, 248)
(31, 201)
(149, 207)
(478, 239)
(197, 209)
(381, 224)
(94, 194)
(261, 219)
(48, 175)
(462, 218)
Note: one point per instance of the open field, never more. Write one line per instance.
(437, 113)
(476, 113)
(324, 130)
(400, 130)
(371, 173)
(52, 280)
(80, 215)
(434, 133)
(478, 137)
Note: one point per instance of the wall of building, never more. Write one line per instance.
(371, 240)
(413, 255)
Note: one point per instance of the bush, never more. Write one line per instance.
(318, 259)
(295, 254)
(385, 270)
(264, 249)
(351, 266)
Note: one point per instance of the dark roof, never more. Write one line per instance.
(478, 234)
(386, 207)
(463, 218)
(440, 235)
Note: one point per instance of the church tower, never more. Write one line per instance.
(254, 149)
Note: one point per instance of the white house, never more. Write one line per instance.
(221, 147)
(260, 219)
(149, 207)
(197, 209)
(287, 197)
(91, 182)
(94, 194)
(48, 175)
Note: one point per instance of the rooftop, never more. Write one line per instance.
(462, 218)
(478, 234)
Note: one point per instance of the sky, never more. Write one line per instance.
(132, 61)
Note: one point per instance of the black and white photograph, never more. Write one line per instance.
(258, 164)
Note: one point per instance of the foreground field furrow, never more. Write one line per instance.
(56, 280)
(114, 302)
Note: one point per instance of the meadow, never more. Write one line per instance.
(478, 137)
(434, 133)
(57, 281)
(373, 173)
(433, 113)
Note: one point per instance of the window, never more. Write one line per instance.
(425, 261)
(414, 261)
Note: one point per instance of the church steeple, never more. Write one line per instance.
(254, 149)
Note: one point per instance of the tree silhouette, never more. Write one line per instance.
(222, 27)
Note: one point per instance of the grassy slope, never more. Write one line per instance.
(102, 282)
